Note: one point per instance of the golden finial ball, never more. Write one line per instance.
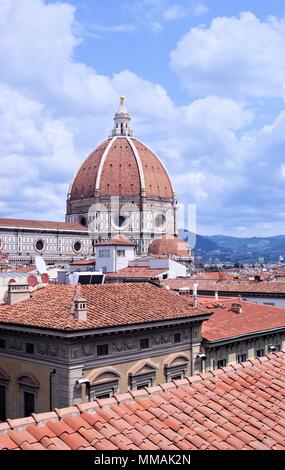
(122, 98)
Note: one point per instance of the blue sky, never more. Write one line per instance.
(204, 82)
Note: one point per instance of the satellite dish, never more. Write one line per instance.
(45, 278)
(32, 280)
(41, 265)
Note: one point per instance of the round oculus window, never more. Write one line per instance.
(40, 246)
(120, 221)
(77, 246)
(160, 221)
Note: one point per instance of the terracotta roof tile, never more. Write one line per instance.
(75, 441)
(201, 415)
(59, 428)
(208, 287)
(120, 173)
(8, 443)
(41, 224)
(108, 305)
(225, 323)
(136, 272)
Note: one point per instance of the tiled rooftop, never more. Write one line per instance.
(117, 240)
(41, 224)
(225, 323)
(108, 305)
(137, 272)
(240, 407)
(263, 287)
(83, 262)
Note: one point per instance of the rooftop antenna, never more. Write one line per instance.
(41, 265)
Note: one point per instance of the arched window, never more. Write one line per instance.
(142, 375)
(104, 383)
(83, 221)
(122, 128)
(29, 387)
(175, 367)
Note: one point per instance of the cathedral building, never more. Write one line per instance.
(121, 188)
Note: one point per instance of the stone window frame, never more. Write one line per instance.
(243, 357)
(175, 337)
(139, 378)
(103, 345)
(260, 352)
(176, 364)
(139, 381)
(29, 384)
(30, 348)
(221, 363)
(4, 381)
(141, 342)
(101, 386)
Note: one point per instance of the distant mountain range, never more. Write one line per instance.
(226, 247)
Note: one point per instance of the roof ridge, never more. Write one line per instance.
(71, 310)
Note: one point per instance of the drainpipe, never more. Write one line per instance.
(51, 375)
(191, 352)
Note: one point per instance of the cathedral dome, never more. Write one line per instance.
(169, 245)
(121, 166)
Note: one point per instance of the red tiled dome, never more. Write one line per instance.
(121, 166)
(169, 245)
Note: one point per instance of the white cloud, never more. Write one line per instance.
(54, 110)
(155, 12)
(234, 56)
(199, 9)
(117, 28)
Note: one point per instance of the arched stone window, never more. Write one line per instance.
(29, 388)
(142, 375)
(175, 367)
(104, 383)
(4, 383)
(83, 221)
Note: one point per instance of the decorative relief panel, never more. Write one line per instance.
(161, 339)
(88, 350)
(15, 344)
(125, 345)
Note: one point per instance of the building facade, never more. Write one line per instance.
(64, 346)
(239, 331)
(22, 240)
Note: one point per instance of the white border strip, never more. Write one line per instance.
(139, 163)
(104, 156)
(163, 166)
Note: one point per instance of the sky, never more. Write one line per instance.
(204, 84)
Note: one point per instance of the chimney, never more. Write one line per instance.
(195, 296)
(80, 309)
(18, 293)
(216, 295)
(236, 308)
